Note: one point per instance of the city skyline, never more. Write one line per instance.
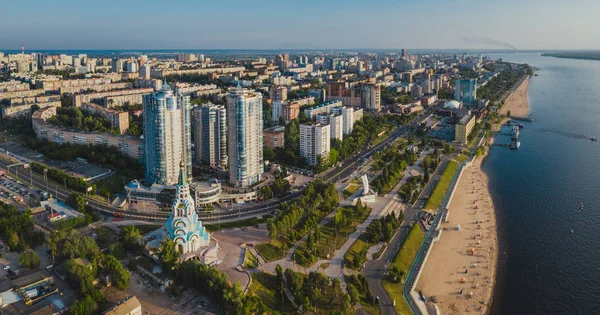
(333, 25)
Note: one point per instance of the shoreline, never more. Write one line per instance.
(517, 103)
(464, 261)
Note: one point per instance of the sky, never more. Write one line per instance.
(307, 24)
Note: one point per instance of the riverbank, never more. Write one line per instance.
(461, 268)
(517, 103)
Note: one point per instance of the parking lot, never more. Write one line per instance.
(16, 193)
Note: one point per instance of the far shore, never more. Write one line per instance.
(517, 103)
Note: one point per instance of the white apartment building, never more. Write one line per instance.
(335, 123)
(245, 136)
(314, 141)
(347, 118)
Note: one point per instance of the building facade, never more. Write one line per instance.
(335, 123)
(210, 135)
(290, 110)
(465, 91)
(463, 128)
(314, 142)
(167, 136)
(274, 137)
(347, 118)
(244, 136)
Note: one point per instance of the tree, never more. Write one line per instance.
(117, 250)
(76, 201)
(353, 293)
(508, 113)
(131, 237)
(346, 304)
(167, 253)
(84, 306)
(29, 259)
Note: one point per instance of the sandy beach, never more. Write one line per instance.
(517, 103)
(460, 270)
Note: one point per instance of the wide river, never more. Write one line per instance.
(537, 190)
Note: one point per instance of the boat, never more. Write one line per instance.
(572, 231)
(581, 206)
(593, 139)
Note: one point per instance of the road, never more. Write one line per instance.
(375, 270)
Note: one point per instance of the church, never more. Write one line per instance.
(191, 238)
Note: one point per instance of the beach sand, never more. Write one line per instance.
(451, 267)
(517, 103)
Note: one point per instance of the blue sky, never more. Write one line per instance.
(311, 24)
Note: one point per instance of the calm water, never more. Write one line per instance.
(537, 190)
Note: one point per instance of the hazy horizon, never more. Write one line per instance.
(270, 25)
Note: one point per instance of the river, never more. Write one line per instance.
(544, 268)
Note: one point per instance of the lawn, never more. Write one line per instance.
(351, 189)
(264, 286)
(235, 224)
(114, 183)
(403, 262)
(359, 247)
(271, 251)
(461, 158)
(392, 183)
(330, 241)
(250, 261)
(435, 200)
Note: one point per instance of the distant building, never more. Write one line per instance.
(278, 93)
(335, 123)
(319, 94)
(245, 136)
(465, 90)
(144, 72)
(117, 119)
(274, 137)
(314, 141)
(290, 110)
(277, 110)
(167, 136)
(117, 65)
(463, 128)
(210, 135)
(370, 96)
(323, 108)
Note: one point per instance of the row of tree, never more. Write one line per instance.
(297, 218)
(72, 117)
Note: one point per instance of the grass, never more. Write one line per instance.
(235, 224)
(250, 261)
(392, 183)
(403, 262)
(435, 200)
(264, 286)
(359, 247)
(271, 251)
(350, 189)
(461, 158)
(114, 183)
(330, 241)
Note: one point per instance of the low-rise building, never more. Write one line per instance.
(274, 137)
(127, 145)
(290, 111)
(128, 306)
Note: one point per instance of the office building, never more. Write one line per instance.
(335, 122)
(167, 136)
(463, 128)
(244, 136)
(465, 90)
(314, 142)
(210, 135)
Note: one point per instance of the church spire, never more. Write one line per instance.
(182, 175)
